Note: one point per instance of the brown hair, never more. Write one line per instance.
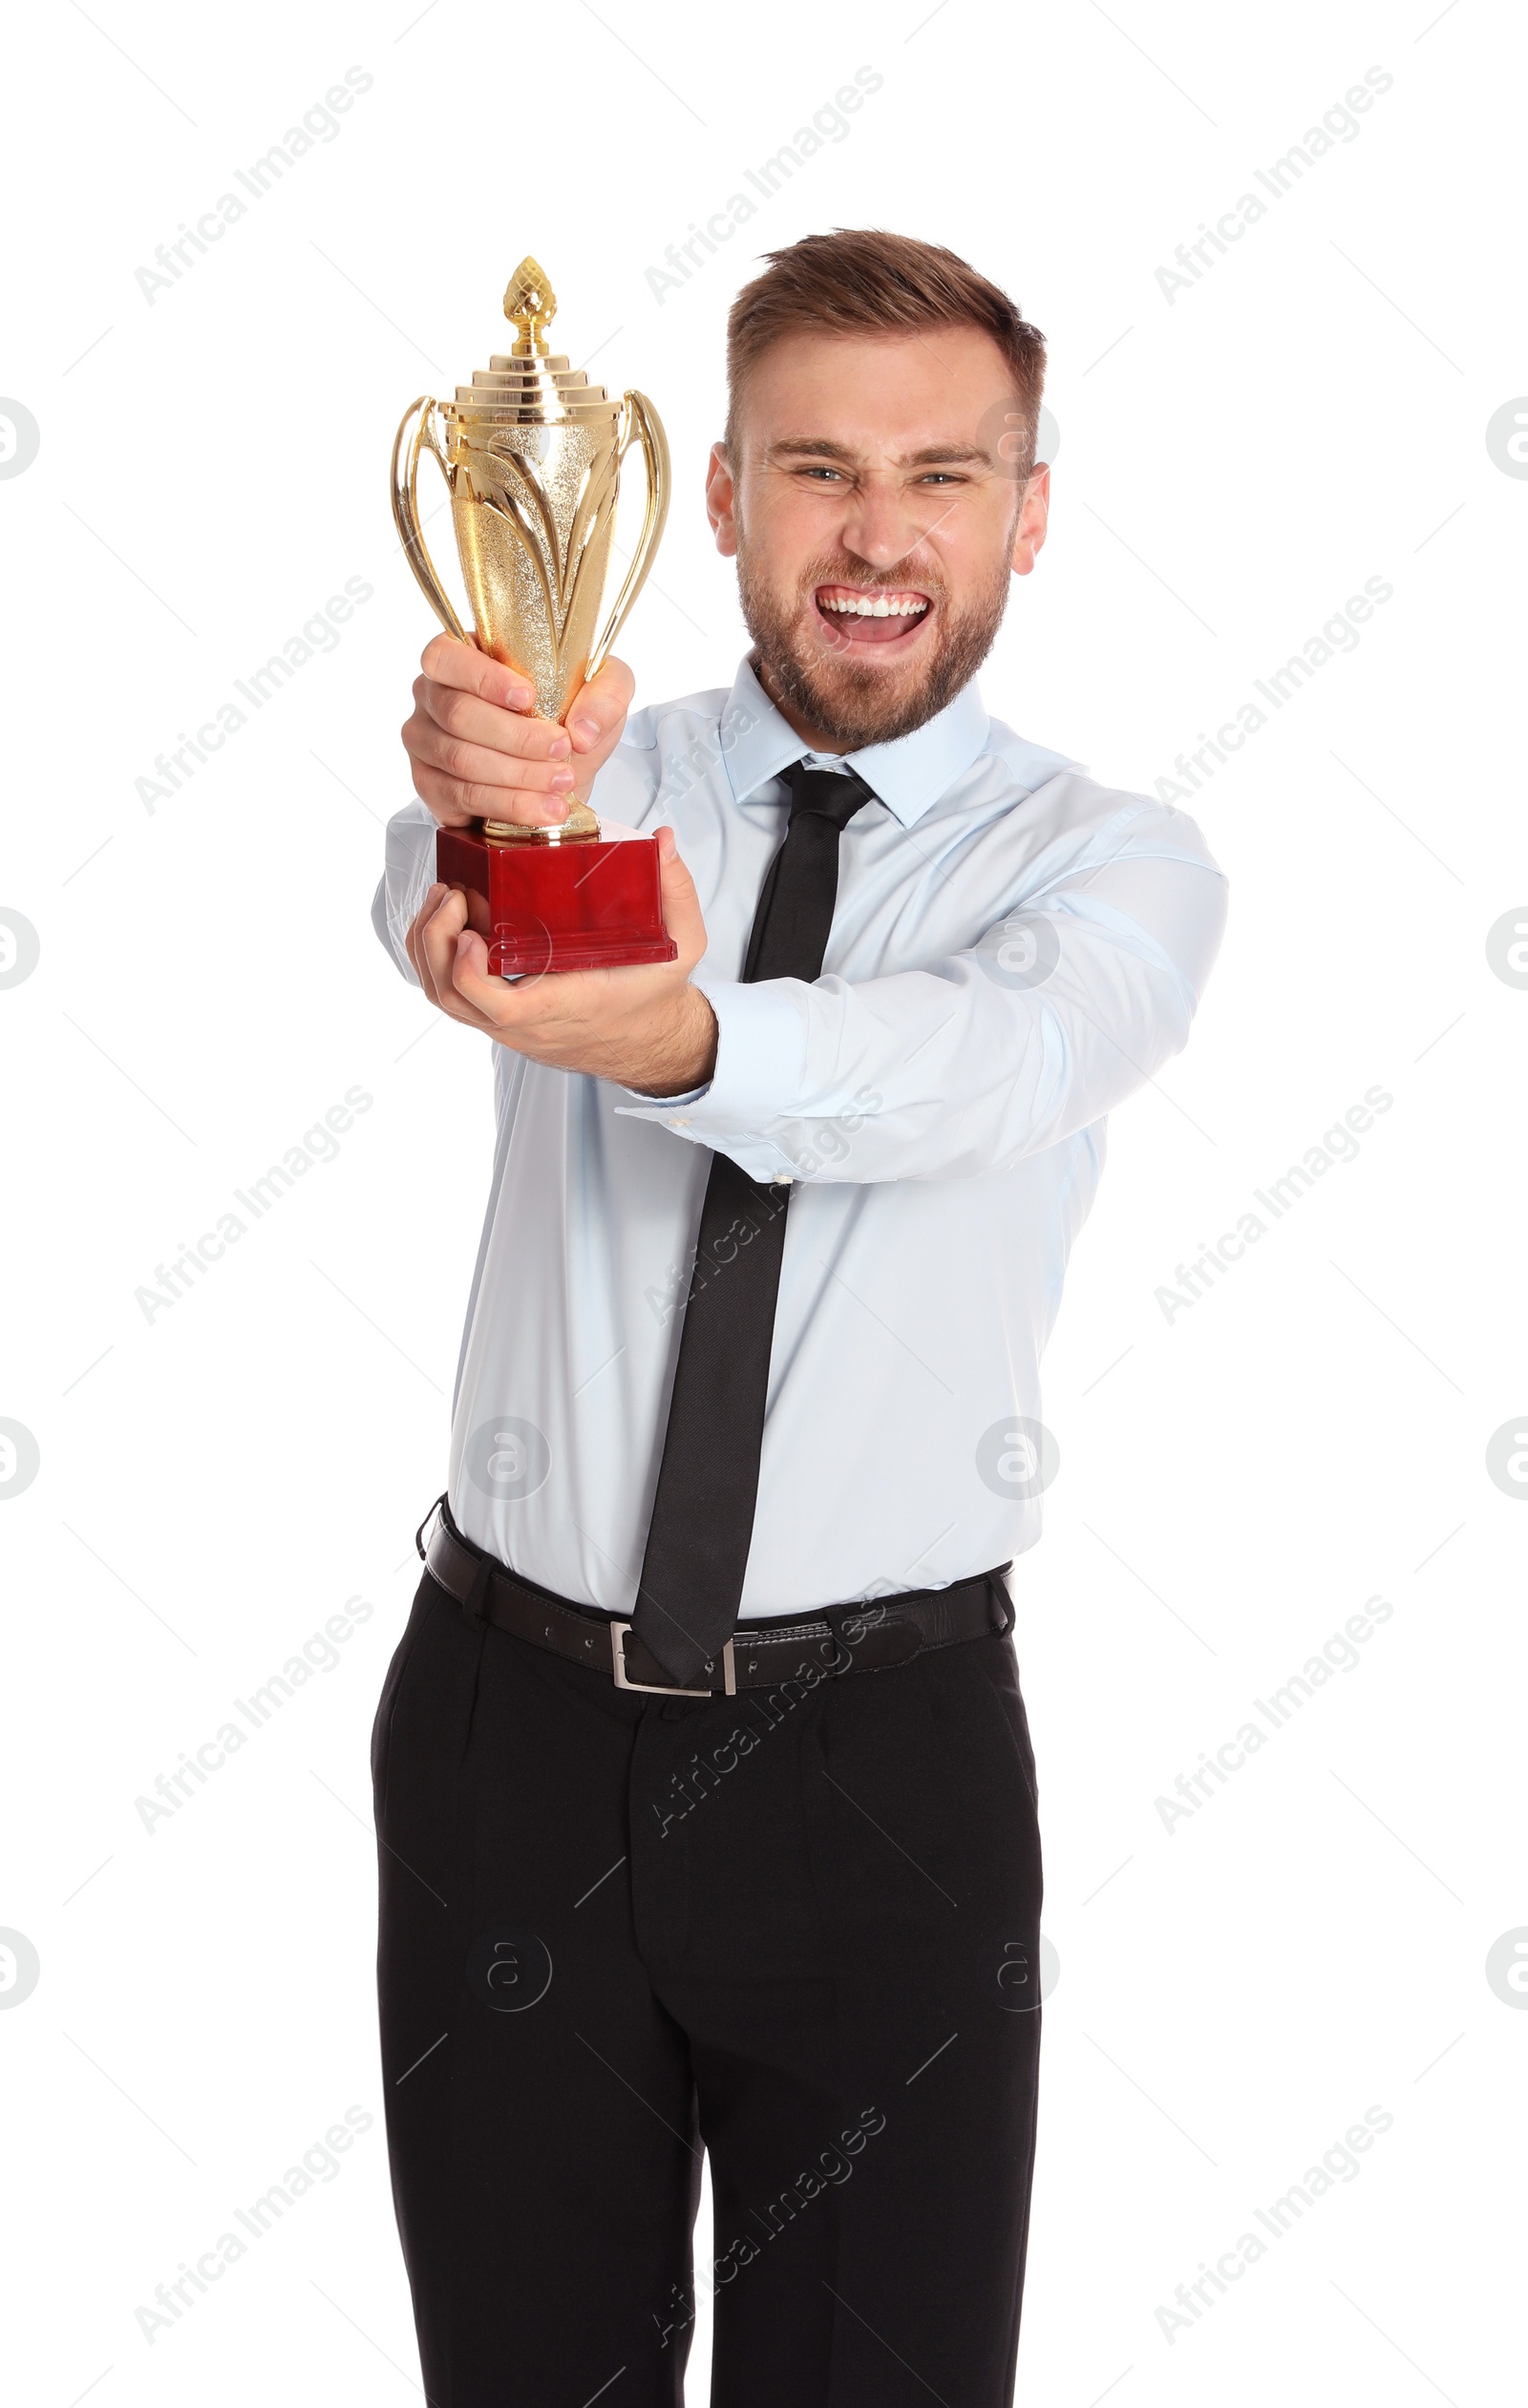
(864, 281)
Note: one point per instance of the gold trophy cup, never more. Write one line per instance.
(531, 453)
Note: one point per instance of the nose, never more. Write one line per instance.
(879, 526)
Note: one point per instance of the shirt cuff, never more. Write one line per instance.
(760, 1061)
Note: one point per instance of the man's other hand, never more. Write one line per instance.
(645, 1026)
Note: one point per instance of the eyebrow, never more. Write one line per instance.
(932, 454)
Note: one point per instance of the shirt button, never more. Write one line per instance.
(679, 1120)
(783, 1178)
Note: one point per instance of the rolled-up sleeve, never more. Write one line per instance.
(1075, 994)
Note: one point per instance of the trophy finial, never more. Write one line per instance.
(529, 306)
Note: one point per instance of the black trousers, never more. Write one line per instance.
(799, 1928)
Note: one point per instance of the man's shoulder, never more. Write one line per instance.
(1026, 764)
(1056, 793)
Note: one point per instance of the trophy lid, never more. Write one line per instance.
(530, 385)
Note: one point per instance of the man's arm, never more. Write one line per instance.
(1070, 1002)
(1071, 999)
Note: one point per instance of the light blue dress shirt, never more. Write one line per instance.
(1015, 948)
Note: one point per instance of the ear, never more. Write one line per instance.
(1034, 511)
(720, 504)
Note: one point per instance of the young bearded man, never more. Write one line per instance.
(703, 1779)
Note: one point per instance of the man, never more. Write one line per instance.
(703, 1780)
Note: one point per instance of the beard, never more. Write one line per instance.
(802, 659)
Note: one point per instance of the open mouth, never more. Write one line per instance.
(874, 615)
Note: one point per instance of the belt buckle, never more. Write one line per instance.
(661, 1688)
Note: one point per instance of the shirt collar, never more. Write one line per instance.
(908, 775)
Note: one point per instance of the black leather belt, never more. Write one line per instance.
(840, 1638)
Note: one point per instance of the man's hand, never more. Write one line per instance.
(644, 1028)
(477, 752)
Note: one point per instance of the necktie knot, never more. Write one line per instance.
(832, 794)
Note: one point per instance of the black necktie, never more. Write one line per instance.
(707, 1481)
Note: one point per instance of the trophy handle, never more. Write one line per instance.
(417, 433)
(638, 417)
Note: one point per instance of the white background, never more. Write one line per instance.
(1235, 1480)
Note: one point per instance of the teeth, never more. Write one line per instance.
(876, 606)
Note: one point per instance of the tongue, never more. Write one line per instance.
(859, 630)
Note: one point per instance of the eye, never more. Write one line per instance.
(830, 473)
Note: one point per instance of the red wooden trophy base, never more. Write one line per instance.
(594, 904)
